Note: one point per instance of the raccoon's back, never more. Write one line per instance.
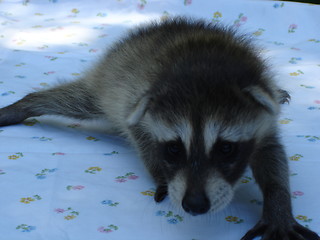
(179, 47)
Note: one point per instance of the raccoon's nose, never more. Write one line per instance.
(196, 204)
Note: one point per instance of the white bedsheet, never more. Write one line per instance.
(60, 180)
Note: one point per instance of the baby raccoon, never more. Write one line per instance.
(197, 103)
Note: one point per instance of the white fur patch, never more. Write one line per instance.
(184, 130)
(219, 192)
(210, 134)
(256, 128)
(238, 133)
(177, 189)
(244, 131)
(163, 132)
(139, 111)
(263, 98)
(159, 130)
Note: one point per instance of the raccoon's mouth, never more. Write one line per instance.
(216, 195)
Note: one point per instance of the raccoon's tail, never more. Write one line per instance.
(71, 99)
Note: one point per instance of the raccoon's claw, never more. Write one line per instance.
(293, 231)
(284, 96)
(161, 193)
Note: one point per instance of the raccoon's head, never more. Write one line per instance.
(203, 134)
(202, 143)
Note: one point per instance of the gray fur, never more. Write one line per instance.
(198, 104)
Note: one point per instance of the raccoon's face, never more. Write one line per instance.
(202, 163)
(202, 181)
(202, 149)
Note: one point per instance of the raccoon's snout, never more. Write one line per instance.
(196, 204)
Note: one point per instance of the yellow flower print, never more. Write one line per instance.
(69, 217)
(90, 138)
(295, 157)
(297, 73)
(285, 121)
(294, 74)
(231, 219)
(75, 11)
(217, 15)
(26, 200)
(15, 156)
(234, 220)
(93, 170)
(258, 32)
(302, 218)
(148, 193)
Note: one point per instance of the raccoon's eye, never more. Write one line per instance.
(226, 148)
(174, 148)
(173, 152)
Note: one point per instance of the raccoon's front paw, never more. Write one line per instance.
(292, 231)
(161, 193)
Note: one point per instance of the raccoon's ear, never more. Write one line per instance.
(263, 98)
(139, 110)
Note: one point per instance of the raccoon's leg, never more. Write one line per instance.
(150, 156)
(157, 174)
(270, 169)
(70, 99)
(155, 171)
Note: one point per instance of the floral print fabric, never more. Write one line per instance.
(62, 179)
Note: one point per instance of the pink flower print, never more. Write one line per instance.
(109, 229)
(60, 153)
(140, 6)
(317, 101)
(121, 180)
(244, 19)
(130, 176)
(79, 187)
(59, 210)
(292, 28)
(298, 193)
(133, 177)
